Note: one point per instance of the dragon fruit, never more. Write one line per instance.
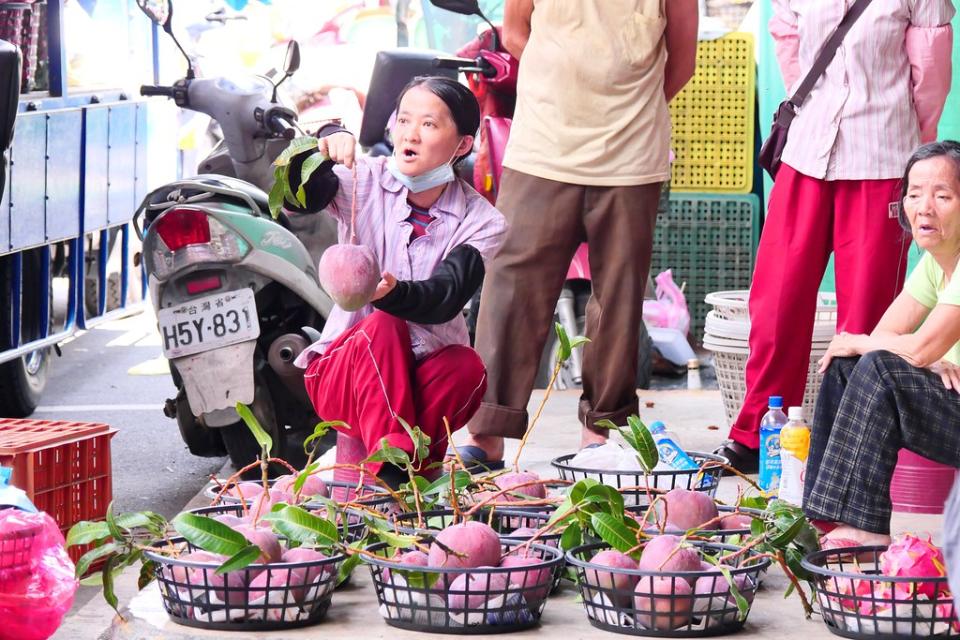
(911, 557)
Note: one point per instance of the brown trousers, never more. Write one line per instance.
(547, 222)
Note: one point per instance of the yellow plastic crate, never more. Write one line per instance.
(713, 120)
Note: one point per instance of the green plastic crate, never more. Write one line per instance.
(709, 241)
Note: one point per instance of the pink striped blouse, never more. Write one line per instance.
(882, 94)
(460, 216)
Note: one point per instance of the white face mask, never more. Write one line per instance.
(425, 181)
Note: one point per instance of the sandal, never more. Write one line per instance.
(475, 459)
(740, 457)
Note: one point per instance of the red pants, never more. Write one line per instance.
(368, 377)
(806, 219)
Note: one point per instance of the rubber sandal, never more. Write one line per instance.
(740, 457)
(475, 459)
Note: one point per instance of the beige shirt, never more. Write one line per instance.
(590, 103)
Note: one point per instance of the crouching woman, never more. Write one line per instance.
(405, 356)
(898, 387)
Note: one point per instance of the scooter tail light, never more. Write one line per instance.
(182, 227)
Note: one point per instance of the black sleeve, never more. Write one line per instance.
(323, 183)
(442, 296)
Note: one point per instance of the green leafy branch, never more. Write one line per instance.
(280, 192)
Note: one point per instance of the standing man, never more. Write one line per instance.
(588, 152)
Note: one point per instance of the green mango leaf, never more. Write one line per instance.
(112, 527)
(240, 560)
(578, 490)
(794, 559)
(754, 502)
(788, 533)
(461, 480)
(757, 527)
(418, 579)
(303, 475)
(743, 607)
(107, 578)
(560, 513)
(607, 497)
(311, 164)
(572, 537)
(275, 197)
(347, 567)
(613, 531)
(297, 146)
(87, 559)
(262, 437)
(304, 527)
(321, 430)
(87, 531)
(790, 589)
(578, 341)
(563, 348)
(421, 441)
(148, 571)
(140, 519)
(209, 535)
(645, 445)
(391, 454)
(398, 540)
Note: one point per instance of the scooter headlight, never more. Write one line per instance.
(185, 236)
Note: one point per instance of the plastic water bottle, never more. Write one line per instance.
(671, 453)
(794, 448)
(770, 427)
(693, 374)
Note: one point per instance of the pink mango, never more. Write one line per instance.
(269, 544)
(313, 486)
(349, 273)
(618, 585)
(659, 548)
(535, 583)
(519, 478)
(469, 591)
(663, 602)
(478, 543)
(690, 509)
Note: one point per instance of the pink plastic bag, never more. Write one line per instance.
(669, 310)
(37, 577)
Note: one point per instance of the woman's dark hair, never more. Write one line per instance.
(459, 99)
(949, 149)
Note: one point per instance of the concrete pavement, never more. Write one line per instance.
(696, 416)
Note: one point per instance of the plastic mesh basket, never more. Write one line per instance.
(633, 485)
(484, 600)
(260, 597)
(713, 119)
(665, 604)
(504, 521)
(856, 602)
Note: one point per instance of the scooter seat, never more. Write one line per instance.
(260, 199)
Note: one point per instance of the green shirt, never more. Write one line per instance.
(927, 285)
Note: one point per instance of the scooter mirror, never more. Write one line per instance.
(292, 61)
(156, 10)
(465, 7)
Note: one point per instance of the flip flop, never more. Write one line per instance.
(475, 459)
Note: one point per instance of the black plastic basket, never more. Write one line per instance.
(631, 609)
(342, 493)
(294, 594)
(499, 599)
(857, 602)
(504, 521)
(633, 484)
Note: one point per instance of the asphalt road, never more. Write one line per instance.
(115, 374)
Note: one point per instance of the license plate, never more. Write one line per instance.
(208, 323)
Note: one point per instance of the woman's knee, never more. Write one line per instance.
(469, 364)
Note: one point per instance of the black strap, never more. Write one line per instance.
(826, 54)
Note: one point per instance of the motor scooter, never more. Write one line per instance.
(235, 291)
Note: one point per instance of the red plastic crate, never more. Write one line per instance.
(63, 466)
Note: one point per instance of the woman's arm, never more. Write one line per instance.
(681, 39)
(786, 39)
(903, 316)
(929, 45)
(443, 295)
(516, 26)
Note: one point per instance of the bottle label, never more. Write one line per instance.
(671, 454)
(791, 479)
(769, 479)
(796, 440)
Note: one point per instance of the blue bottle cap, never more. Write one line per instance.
(776, 402)
(657, 425)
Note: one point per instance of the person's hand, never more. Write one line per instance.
(387, 282)
(843, 345)
(341, 147)
(948, 372)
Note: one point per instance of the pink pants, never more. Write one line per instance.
(368, 378)
(806, 219)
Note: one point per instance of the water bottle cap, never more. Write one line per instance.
(795, 413)
(657, 426)
(776, 402)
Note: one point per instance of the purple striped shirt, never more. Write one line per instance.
(460, 216)
(861, 120)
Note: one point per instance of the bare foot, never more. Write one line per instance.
(491, 445)
(588, 437)
(864, 538)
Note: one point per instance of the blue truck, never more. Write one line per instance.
(75, 166)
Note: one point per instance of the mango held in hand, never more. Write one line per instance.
(350, 274)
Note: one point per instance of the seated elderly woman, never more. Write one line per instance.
(898, 387)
